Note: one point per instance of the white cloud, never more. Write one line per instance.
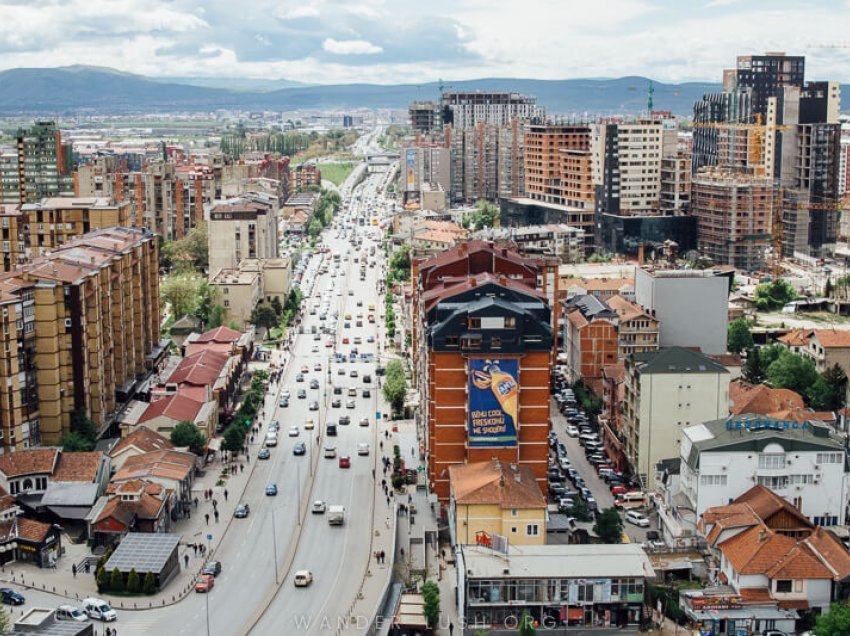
(713, 4)
(350, 47)
(297, 12)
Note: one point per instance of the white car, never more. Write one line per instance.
(319, 507)
(363, 449)
(638, 519)
(572, 431)
(303, 578)
(293, 431)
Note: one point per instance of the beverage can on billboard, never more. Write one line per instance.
(493, 402)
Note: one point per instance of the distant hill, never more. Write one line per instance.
(77, 89)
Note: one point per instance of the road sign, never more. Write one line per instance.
(209, 537)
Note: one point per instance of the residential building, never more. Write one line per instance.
(590, 337)
(467, 109)
(666, 391)
(276, 276)
(164, 414)
(495, 499)
(57, 221)
(426, 241)
(580, 587)
(690, 305)
(486, 161)
(257, 171)
(305, 175)
(19, 405)
(425, 163)
(778, 404)
(433, 197)
(255, 280)
(555, 240)
(424, 116)
(483, 343)
(610, 417)
(131, 506)
(734, 214)
(637, 329)
(676, 184)
(101, 177)
(305, 202)
(601, 288)
(825, 347)
(89, 331)
(798, 459)
(171, 469)
(13, 242)
(520, 212)
(40, 166)
(136, 442)
(244, 227)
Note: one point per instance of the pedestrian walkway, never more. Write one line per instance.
(69, 579)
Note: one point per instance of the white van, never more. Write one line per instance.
(637, 519)
(631, 500)
(71, 613)
(99, 609)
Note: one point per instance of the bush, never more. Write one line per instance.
(398, 481)
(134, 585)
(102, 579)
(116, 581)
(149, 586)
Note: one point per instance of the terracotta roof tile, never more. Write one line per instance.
(766, 503)
(795, 338)
(833, 338)
(761, 399)
(28, 462)
(599, 284)
(755, 595)
(220, 334)
(799, 563)
(200, 369)
(32, 530)
(176, 407)
(78, 466)
(143, 439)
(626, 310)
(756, 550)
(495, 482)
(831, 551)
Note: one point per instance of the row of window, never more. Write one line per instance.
(551, 590)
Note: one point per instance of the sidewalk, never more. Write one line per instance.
(194, 530)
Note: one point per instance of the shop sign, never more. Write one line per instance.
(715, 602)
(759, 425)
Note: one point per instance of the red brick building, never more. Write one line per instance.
(590, 331)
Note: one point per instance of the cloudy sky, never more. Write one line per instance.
(391, 41)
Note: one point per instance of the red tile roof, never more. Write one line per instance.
(78, 466)
(220, 334)
(28, 462)
(831, 552)
(200, 369)
(176, 407)
(32, 530)
(495, 482)
(761, 399)
(449, 287)
(756, 550)
(143, 439)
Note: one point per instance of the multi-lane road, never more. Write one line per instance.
(260, 554)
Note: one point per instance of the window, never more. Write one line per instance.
(772, 460)
(585, 592)
(783, 586)
(829, 458)
(510, 322)
(514, 512)
(473, 323)
(496, 342)
(226, 303)
(712, 480)
(531, 530)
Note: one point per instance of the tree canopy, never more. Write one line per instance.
(395, 385)
(740, 335)
(774, 295)
(836, 622)
(609, 526)
(187, 434)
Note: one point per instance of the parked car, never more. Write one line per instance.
(11, 597)
(212, 567)
(99, 609)
(205, 583)
(637, 518)
(572, 431)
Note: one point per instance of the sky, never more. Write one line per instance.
(416, 41)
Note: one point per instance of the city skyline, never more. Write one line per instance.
(329, 41)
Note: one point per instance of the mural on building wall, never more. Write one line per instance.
(493, 402)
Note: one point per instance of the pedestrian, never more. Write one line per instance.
(74, 570)
(388, 500)
(451, 628)
(412, 452)
(225, 494)
(216, 515)
(383, 557)
(373, 473)
(88, 569)
(196, 503)
(215, 504)
(383, 483)
(195, 548)
(186, 560)
(409, 498)
(381, 444)
(207, 517)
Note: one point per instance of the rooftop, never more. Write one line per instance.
(28, 462)
(676, 360)
(143, 552)
(762, 399)
(494, 482)
(176, 407)
(144, 440)
(79, 466)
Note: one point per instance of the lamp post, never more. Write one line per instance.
(207, 603)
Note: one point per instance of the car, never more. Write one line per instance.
(618, 489)
(293, 431)
(299, 377)
(300, 448)
(345, 339)
(271, 490)
(309, 425)
(303, 578)
(284, 402)
(264, 453)
(556, 476)
(363, 448)
(274, 426)
(286, 393)
(319, 507)
(350, 404)
(345, 461)
(212, 567)
(314, 383)
(71, 613)
(329, 343)
(302, 394)
(572, 431)
(242, 511)
(336, 403)
(330, 451)
(345, 420)
(366, 393)
(637, 519)
(564, 463)
(370, 338)
(11, 597)
(364, 421)
(314, 405)
(305, 369)
(100, 609)
(352, 392)
(317, 366)
(205, 583)
(314, 349)
(340, 371)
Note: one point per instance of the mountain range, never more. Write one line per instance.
(85, 89)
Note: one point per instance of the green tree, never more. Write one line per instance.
(180, 291)
(836, 380)
(819, 395)
(134, 585)
(74, 442)
(774, 295)
(431, 603)
(315, 227)
(399, 264)
(192, 252)
(234, 438)
(101, 577)
(754, 370)
(526, 624)
(149, 586)
(609, 526)
(264, 315)
(740, 336)
(83, 433)
(836, 622)
(116, 581)
(278, 308)
(216, 317)
(187, 434)
(206, 298)
(485, 216)
(166, 254)
(395, 385)
(792, 371)
(580, 511)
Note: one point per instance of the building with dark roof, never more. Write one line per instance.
(666, 391)
(590, 337)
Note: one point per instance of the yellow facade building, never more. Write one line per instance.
(495, 498)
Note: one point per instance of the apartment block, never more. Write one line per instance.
(19, 407)
(39, 167)
(734, 217)
(304, 175)
(255, 280)
(14, 244)
(487, 161)
(675, 183)
(254, 170)
(57, 221)
(424, 116)
(462, 109)
(426, 164)
(89, 315)
(665, 391)
(243, 227)
(590, 337)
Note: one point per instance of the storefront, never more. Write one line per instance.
(727, 615)
(32, 542)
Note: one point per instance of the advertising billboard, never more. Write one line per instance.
(493, 402)
(410, 168)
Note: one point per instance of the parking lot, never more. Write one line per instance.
(597, 487)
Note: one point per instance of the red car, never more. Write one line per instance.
(618, 490)
(205, 583)
(344, 461)
(345, 340)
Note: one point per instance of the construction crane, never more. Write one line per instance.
(777, 225)
(757, 130)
